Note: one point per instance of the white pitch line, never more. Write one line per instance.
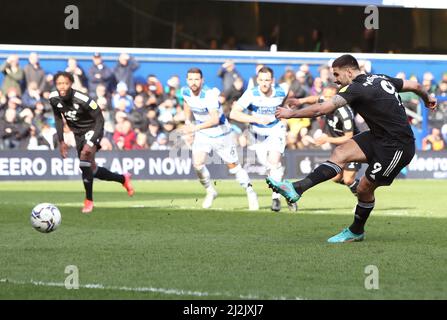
(147, 289)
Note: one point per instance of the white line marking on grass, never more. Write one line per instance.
(176, 292)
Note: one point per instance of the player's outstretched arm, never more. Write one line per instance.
(296, 102)
(237, 113)
(413, 86)
(314, 110)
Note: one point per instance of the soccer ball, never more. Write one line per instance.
(45, 217)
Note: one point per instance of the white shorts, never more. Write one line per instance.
(275, 140)
(224, 146)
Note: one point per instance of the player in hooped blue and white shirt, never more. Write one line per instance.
(211, 132)
(261, 103)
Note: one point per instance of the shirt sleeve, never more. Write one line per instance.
(212, 100)
(397, 83)
(96, 114)
(350, 92)
(347, 121)
(245, 100)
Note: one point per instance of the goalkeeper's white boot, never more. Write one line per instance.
(211, 194)
(252, 197)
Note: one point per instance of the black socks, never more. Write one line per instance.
(104, 174)
(323, 172)
(87, 178)
(362, 211)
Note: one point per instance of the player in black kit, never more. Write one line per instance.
(86, 121)
(339, 128)
(387, 147)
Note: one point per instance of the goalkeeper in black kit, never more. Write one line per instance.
(86, 121)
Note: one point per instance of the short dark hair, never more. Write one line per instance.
(64, 74)
(346, 60)
(266, 70)
(195, 70)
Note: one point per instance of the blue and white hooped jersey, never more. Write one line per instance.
(201, 105)
(257, 103)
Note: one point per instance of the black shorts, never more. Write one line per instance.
(81, 140)
(385, 160)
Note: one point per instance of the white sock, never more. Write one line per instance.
(276, 173)
(204, 177)
(241, 176)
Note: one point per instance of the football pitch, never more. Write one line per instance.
(161, 244)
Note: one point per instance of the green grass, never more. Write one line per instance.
(161, 239)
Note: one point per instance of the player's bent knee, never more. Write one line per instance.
(198, 166)
(365, 192)
(86, 155)
(339, 156)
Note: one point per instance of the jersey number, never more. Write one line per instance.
(89, 135)
(377, 167)
(389, 88)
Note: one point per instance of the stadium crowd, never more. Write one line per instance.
(145, 115)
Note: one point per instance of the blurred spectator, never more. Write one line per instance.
(48, 133)
(31, 96)
(291, 85)
(229, 97)
(229, 74)
(433, 141)
(124, 71)
(252, 82)
(124, 136)
(11, 130)
(99, 73)
(141, 90)
(308, 76)
(166, 111)
(101, 93)
(14, 103)
(138, 114)
(120, 96)
(152, 114)
(173, 89)
(14, 75)
(80, 79)
(48, 86)
(428, 83)
(109, 122)
(161, 143)
(168, 127)
(154, 87)
(153, 131)
(34, 72)
(301, 78)
(317, 88)
(141, 142)
(326, 76)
